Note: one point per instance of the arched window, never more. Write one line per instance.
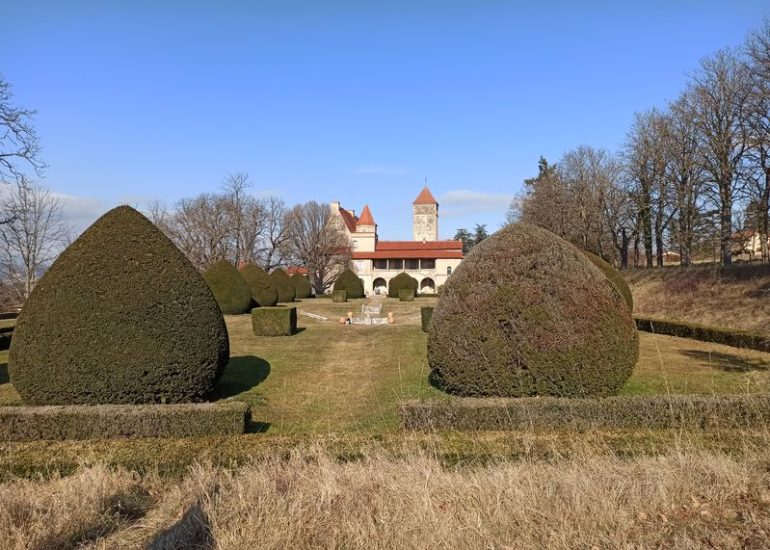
(448, 270)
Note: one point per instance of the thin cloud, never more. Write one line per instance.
(383, 169)
(463, 202)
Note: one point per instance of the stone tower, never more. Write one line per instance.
(425, 216)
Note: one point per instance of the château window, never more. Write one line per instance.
(427, 264)
(395, 264)
(380, 264)
(449, 270)
(411, 264)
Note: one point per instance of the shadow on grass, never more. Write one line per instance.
(241, 375)
(4, 378)
(193, 530)
(727, 362)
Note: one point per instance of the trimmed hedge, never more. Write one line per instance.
(614, 276)
(302, 287)
(350, 283)
(274, 321)
(339, 295)
(426, 315)
(406, 295)
(526, 313)
(122, 421)
(729, 337)
(228, 287)
(621, 412)
(402, 280)
(122, 316)
(282, 282)
(263, 293)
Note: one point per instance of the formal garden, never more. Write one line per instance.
(126, 359)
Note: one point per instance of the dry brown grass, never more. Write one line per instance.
(737, 298)
(683, 499)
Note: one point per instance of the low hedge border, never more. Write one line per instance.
(122, 421)
(406, 295)
(642, 411)
(426, 316)
(729, 337)
(339, 296)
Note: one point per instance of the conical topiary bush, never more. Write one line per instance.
(351, 283)
(614, 276)
(230, 290)
(262, 290)
(526, 313)
(121, 317)
(282, 282)
(402, 280)
(302, 286)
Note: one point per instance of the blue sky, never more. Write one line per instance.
(350, 101)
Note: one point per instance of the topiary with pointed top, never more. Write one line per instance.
(262, 290)
(120, 317)
(282, 282)
(230, 290)
(350, 282)
(302, 286)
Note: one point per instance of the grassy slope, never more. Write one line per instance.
(735, 298)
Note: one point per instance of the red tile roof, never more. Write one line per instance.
(413, 249)
(425, 197)
(366, 217)
(349, 219)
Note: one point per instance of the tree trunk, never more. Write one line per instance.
(726, 226)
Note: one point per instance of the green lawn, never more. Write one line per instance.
(332, 378)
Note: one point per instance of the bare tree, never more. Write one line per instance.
(316, 242)
(758, 132)
(275, 241)
(19, 145)
(33, 236)
(721, 91)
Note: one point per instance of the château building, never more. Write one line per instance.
(426, 258)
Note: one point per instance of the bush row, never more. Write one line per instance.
(642, 411)
(122, 421)
(729, 337)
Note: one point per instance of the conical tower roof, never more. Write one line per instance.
(425, 197)
(366, 217)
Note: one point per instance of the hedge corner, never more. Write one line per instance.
(274, 321)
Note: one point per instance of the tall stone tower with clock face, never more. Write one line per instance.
(425, 216)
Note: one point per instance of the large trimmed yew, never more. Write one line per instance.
(526, 313)
(121, 317)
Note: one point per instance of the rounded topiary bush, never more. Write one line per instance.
(263, 293)
(282, 282)
(402, 280)
(526, 313)
(230, 290)
(121, 317)
(615, 277)
(351, 283)
(302, 286)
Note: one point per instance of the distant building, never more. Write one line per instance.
(749, 244)
(425, 258)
